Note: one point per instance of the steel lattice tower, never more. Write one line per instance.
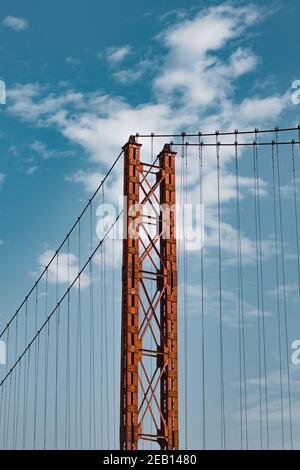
(149, 363)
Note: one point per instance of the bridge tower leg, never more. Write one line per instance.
(149, 363)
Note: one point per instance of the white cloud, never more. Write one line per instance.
(90, 179)
(31, 170)
(13, 150)
(128, 76)
(99, 123)
(288, 190)
(291, 291)
(278, 409)
(73, 61)
(256, 109)
(229, 303)
(1, 242)
(16, 23)
(26, 103)
(41, 149)
(66, 269)
(131, 76)
(115, 55)
(242, 61)
(191, 86)
(210, 30)
(2, 178)
(191, 69)
(228, 234)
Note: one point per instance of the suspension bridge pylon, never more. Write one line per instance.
(149, 350)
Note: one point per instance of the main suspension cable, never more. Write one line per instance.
(55, 309)
(212, 134)
(61, 245)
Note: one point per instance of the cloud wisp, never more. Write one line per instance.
(65, 270)
(2, 178)
(16, 23)
(115, 55)
(194, 82)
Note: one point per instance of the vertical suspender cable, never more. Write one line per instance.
(17, 408)
(223, 424)
(56, 377)
(278, 294)
(25, 377)
(102, 394)
(101, 351)
(106, 340)
(7, 432)
(185, 295)
(258, 294)
(56, 355)
(151, 340)
(15, 389)
(113, 336)
(92, 342)
(26, 394)
(36, 374)
(202, 295)
(239, 299)
(182, 202)
(1, 407)
(6, 391)
(47, 337)
(78, 378)
(68, 373)
(152, 148)
(284, 294)
(242, 345)
(262, 298)
(296, 212)
(91, 337)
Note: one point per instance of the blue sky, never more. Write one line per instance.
(38, 57)
(81, 77)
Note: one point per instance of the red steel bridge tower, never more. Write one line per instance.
(149, 349)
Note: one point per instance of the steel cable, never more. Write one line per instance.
(241, 319)
(284, 293)
(223, 423)
(278, 296)
(296, 213)
(202, 296)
